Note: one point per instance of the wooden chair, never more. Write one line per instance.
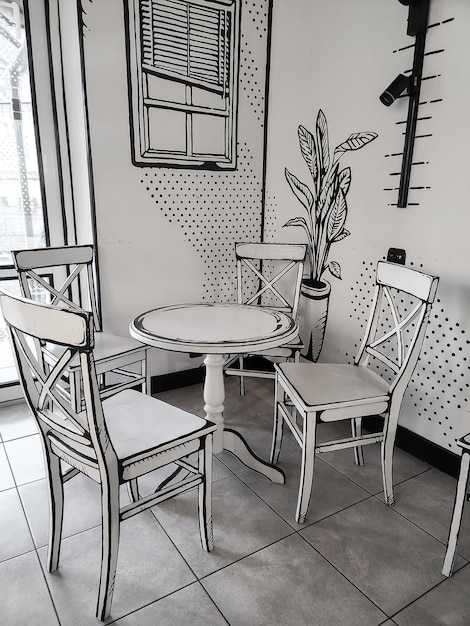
(268, 275)
(63, 277)
(461, 496)
(307, 393)
(113, 442)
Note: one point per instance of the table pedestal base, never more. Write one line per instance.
(225, 438)
(234, 443)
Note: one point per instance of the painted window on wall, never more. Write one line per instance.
(183, 66)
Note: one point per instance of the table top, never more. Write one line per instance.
(214, 328)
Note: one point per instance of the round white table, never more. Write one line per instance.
(217, 330)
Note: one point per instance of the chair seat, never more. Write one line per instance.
(156, 425)
(330, 386)
(107, 346)
(143, 443)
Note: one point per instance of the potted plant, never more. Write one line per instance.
(323, 221)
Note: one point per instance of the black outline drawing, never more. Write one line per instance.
(183, 58)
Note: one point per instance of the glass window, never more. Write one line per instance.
(21, 214)
(27, 129)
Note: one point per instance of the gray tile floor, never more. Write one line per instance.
(355, 561)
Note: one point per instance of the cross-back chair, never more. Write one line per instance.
(374, 385)
(114, 441)
(64, 277)
(268, 275)
(462, 495)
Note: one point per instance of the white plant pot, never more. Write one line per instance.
(314, 303)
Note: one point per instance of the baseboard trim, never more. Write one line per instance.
(429, 452)
(175, 380)
(444, 460)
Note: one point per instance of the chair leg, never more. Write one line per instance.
(387, 447)
(356, 431)
(133, 490)
(110, 528)
(75, 392)
(205, 495)
(457, 515)
(146, 372)
(307, 467)
(241, 362)
(278, 425)
(56, 499)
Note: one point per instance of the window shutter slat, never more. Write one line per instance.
(186, 39)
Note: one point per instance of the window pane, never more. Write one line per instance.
(208, 135)
(167, 90)
(7, 365)
(21, 212)
(167, 130)
(21, 217)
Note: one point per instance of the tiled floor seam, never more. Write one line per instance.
(46, 582)
(423, 595)
(345, 577)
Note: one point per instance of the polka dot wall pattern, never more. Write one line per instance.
(438, 394)
(216, 209)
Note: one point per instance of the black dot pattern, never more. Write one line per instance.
(215, 209)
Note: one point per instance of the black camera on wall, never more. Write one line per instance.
(395, 89)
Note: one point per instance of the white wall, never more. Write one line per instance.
(167, 235)
(339, 56)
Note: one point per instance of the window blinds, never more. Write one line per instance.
(185, 39)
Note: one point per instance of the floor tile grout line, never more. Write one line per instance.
(214, 602)
(46, 582)
(345, 577)
(35, 549)
(422, 595)
(295, 531)
(167, 595)
(366, 497)
(427, 532)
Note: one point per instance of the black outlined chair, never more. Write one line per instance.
(461, 496)
(114, 441)
(63, 277)
(268, 275)
(309, 392)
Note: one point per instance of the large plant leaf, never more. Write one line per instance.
(335, 269)
(342, 235)
(355, 141)
(300, 221)
(328, 195)
(337, 216)
(308, 150)
(344, 180)
(323, 144)
(301, 190)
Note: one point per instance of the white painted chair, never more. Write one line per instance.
(268, 275)
(462, 495)
(63, 277)
(114, 441)
(307, 393)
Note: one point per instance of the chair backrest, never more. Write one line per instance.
(61, 276)
(397, 324)
(83, 435)
(270, 274)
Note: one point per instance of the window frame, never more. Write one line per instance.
(141, 105)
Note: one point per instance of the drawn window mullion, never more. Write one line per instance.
(189, 122)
